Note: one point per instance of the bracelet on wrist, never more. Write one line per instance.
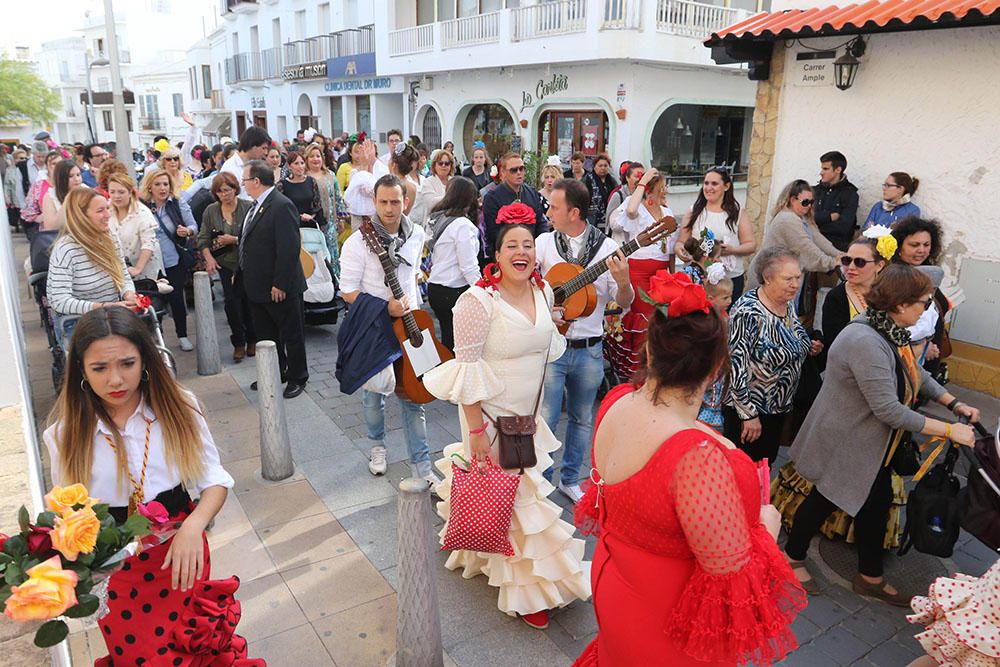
(954, 404)
(477, 431)
(947, 431)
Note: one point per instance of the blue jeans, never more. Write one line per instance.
(414, 428)
(579, 372)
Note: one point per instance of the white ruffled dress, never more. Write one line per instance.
(500, 362)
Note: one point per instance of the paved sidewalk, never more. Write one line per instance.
(317, 553)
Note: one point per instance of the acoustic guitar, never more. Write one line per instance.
(573, 285)
(416, 326)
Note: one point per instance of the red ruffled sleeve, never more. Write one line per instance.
(742, 597)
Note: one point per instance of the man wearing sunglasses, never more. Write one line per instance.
(835, 206)
(511, 189)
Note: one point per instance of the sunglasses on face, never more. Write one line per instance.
(889, 185)
(806, 202)
(859, 262)
(516, 169)
(444, 164)
(171, 159)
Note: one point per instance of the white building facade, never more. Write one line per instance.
(626, 77)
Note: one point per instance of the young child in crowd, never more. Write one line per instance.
(704, 253)
(720, 294)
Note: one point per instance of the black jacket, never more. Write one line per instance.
(842, 198)
(270, 243)
(499, 197)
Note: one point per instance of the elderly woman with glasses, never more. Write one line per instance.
(434, 186)
(792, 226)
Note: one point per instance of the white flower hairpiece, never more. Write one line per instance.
(553, 161)
(876, 232)
(309, 134)
(715, 272)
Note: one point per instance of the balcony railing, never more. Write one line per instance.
(217, 100)
(271, 63)
(151, 123)
(333, 45)
(552, 18)
(124, 57)
(622, 15)
(470, 30)
(695, 19)
(419, 39)
(244, 67)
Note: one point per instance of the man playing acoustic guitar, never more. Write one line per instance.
(580, 370)
(361, 271)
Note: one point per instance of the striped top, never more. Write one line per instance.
(74, 284)
(766, 355)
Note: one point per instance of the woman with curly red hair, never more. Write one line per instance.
(504, 334)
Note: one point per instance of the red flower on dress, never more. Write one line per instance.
(517, 213)
(675, 293)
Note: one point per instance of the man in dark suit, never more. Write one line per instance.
(271, 273)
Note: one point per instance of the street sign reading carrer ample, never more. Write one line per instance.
(812, 73)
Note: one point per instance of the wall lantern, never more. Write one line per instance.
(845, 68)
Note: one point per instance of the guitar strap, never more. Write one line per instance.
(393, 244)
(591, 246)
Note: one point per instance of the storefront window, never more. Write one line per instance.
(430, 132)
(364, 113)
(336, 116)
(688, 139)
(491, 124)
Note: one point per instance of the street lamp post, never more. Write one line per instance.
(123, 142)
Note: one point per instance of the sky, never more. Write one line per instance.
(152, 24)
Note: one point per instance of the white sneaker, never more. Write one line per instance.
(185, 343)
(164, 287)
(572, 492)
(376, 461)
(433, 480)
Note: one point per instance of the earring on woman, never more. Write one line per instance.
(492, 275)
(145, 375)
(84, 385)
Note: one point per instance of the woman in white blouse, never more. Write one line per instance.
(454, 249)
(136, 228)
(127, 431)
(644, 207)
(433, 187)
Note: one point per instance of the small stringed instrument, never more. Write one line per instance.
(573, 285)
(412, 326)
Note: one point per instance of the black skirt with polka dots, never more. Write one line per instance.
(149, 623)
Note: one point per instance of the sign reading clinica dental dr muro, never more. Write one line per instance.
(544, 88)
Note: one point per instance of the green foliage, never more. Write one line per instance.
(86, 605)
(51, 633)
(23, 95)
(534, 162)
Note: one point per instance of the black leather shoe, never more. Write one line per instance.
(293, 390)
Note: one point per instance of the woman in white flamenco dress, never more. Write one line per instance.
(499, 365)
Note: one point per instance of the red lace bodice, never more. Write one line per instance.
(697, 499)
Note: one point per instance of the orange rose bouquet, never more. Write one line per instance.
(58, 566)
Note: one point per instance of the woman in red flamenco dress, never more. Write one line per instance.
(124, 428)
(686, 571)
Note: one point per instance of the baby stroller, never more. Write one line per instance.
(321, 300)
(39, 256)
(979, 501)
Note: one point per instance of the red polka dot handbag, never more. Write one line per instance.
(482, 504)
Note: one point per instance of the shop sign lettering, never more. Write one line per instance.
(379, 83)
(543, 89)
(310, 71)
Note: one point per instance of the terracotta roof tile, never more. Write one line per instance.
(872, 16)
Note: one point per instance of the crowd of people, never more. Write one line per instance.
(825, 335)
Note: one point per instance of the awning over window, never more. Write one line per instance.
(870, 17)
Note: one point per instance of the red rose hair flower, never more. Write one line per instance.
(516, 214)
(675, 295)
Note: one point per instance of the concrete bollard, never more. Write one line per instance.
(209, 362)
(275, 447)
(418, 622)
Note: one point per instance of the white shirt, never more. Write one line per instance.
(384, 159)
(454, 262)
(234, 166)
(35, 172)
(548, 256)
(632, 227)
(361, 271)
(159, 476)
